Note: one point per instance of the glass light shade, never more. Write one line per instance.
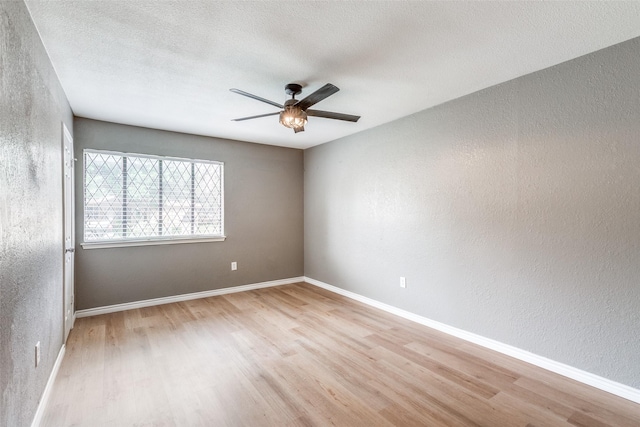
(293, 117)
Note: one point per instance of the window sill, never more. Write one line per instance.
(149, 242)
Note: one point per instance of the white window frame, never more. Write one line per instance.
(152, 240)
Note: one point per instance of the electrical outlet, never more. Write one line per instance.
(403, 282)
(37, 353)
(234, 266)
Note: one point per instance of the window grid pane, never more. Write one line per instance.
(142, 197)
(207, 200)
(103, 197)
(129, 197)
(176, 191)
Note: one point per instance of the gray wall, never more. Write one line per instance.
(32, 108)
(263, 221)
(514, 213)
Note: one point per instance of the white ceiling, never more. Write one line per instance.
(170, 65)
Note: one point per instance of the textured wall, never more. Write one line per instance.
(512, 212)
(263, 221)
(32, 108)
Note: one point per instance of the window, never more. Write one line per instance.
(142, 199)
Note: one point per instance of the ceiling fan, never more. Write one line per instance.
(294, 112)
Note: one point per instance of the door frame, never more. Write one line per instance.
(68, 225)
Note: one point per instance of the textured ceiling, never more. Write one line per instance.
(170, 65)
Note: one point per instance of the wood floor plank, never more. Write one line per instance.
(583, 403)
(298, 355)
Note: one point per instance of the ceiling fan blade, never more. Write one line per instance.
(331, 115)
(317, 96)
(256, 97)
(255, 117)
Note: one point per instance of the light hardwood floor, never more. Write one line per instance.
(297, 355)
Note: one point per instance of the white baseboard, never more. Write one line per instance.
(184, 297)
(588, 378)
(44, 399)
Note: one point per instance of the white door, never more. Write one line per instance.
(69, 230)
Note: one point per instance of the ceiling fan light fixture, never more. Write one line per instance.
(293, 117)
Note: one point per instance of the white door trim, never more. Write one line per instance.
(68, 255)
